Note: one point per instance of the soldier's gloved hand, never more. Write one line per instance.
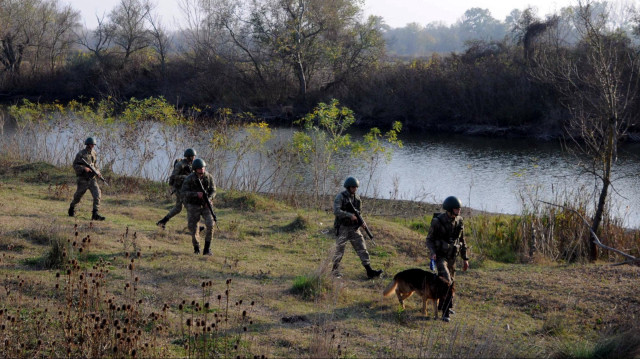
(87, 169)
(200, 194)
(354, 218)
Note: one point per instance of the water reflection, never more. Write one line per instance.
(493, 174)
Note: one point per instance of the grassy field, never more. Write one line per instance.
(126, 288)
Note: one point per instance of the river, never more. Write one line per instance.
(500, 174)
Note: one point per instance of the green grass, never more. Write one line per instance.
(310, 287)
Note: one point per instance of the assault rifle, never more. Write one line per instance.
(361, 222)
(208, 201)
(95, 171)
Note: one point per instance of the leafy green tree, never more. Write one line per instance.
(478, 24)
(376, 148)
(324, 137)
(325, 140)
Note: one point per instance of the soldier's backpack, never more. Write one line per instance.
(172, 179)
(450, 248)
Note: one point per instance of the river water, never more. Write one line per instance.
(500, 174)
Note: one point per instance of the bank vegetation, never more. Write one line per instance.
(278, 59)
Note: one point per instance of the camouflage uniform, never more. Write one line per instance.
(348, 230)
(197, 207)
(445, 240)
(86, 180)
(181, 170)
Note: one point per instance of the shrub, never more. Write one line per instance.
(310, 286)
(299, 223)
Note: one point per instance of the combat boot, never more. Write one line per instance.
(72, 211)
(96, 217)
(446, 307)
(196, 249)
(336, 270)
(372, 273)
(207, 249)
(446, 313)
(162, 222)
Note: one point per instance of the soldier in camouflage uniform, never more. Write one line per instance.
(444, 241)
(348, 230)
(87, 180)
(181, 170)
(195, 201)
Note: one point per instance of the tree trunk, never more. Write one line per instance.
(606, 182)
(302, 81)
(597, 218)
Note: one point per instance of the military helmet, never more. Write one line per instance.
(198, 163)
(351, 182)
(189, 152)
(90, 141)
(451, 203)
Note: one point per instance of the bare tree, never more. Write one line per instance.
(98, 40)
(128, 28)
(62, 36)
(37, 32)
(598, 81)
(631, 260)
(204, 33)
(319, 40)
(15, 34)
(160, 41)
(300, 44)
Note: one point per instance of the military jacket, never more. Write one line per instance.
(181, 170)
(191, 187)
(79, 166)
(446, 236)
(342, 210)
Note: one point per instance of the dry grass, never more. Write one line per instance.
(179, 304)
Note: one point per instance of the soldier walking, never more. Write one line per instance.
(444, 241)
(87, 179)
(181, 170)
(348, 229)
(195, 200)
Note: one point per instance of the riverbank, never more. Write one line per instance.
(265, 251)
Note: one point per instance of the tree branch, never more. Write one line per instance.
(596, 240)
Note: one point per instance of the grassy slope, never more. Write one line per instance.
(502, 309)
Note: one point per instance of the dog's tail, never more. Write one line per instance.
(390, 288)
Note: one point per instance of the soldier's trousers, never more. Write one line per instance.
(351, 234)
(177, 208)
(85, 184)
(446, 267)
(194, 213)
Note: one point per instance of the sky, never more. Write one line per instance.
(396, 13)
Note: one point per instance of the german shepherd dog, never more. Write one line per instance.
(428, 285)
